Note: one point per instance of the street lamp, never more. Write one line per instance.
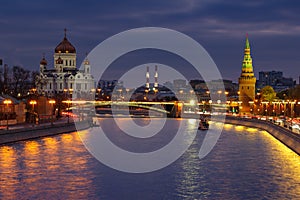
(226, 93)
(52, 102)
(292, 108)
(207, 92)
(33, 102)
(219, 92)
(7, 102)
(68, 109)
(192, 102)
(251, 107)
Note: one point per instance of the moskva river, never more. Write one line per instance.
(246, 163)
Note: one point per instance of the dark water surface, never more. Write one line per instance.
(245, 164)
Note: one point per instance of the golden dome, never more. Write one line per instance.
(65, 46)
(43, 61)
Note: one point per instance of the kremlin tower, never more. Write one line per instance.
(247, 81)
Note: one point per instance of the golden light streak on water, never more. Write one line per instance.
(66, 138)
(8, 177)
(31, 154)
(252, 130)
(240, 128)
(228, 126)
(7, 157)
(51, 143)
(31, 147)
(288, 163)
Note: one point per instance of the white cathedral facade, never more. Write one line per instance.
(65, 78)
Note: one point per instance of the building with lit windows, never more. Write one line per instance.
(65, 77)
(275, 79)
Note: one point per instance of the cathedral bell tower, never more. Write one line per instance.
(87, 66)
(43, 64)
(247, 81)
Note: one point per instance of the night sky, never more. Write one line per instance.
(31, 28)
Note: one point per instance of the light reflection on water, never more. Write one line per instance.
(246, 163)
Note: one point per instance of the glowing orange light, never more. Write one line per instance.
(32, 102)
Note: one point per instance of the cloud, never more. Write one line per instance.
(35, 27)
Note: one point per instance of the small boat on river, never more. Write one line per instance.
(203, 124)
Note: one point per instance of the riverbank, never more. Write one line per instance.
(15, 135)
(284, 135)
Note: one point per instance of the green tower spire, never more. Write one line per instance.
(247, 62)
(247, 46)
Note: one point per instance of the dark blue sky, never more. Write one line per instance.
(31, 28)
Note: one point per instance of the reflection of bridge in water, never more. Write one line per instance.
(171, 109)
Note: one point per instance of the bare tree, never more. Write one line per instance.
(20, 81)
(4, 80)
(34, 79)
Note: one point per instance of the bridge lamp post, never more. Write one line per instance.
(207, 93)
(7, 102)
(277, 107)
(219, 92)
(292, 108)
(192, 104)
(191, 93)
(52, 102)
(240, 105)
(251, 106)
(265, 107)
(210, 102)
(68, 109)
(226, 94)
(98, 93)
(127, 91)
(203, 106)
(228, 103)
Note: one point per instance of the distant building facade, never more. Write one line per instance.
(274, 79)
(179, 84)
(65, 77)
(247, 81)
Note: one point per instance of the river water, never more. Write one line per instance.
(246, 163)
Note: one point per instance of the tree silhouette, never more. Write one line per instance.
(268, 93)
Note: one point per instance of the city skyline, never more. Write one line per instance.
(31, 29)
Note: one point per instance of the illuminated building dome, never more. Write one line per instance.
(65, 46)
(43, 61)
